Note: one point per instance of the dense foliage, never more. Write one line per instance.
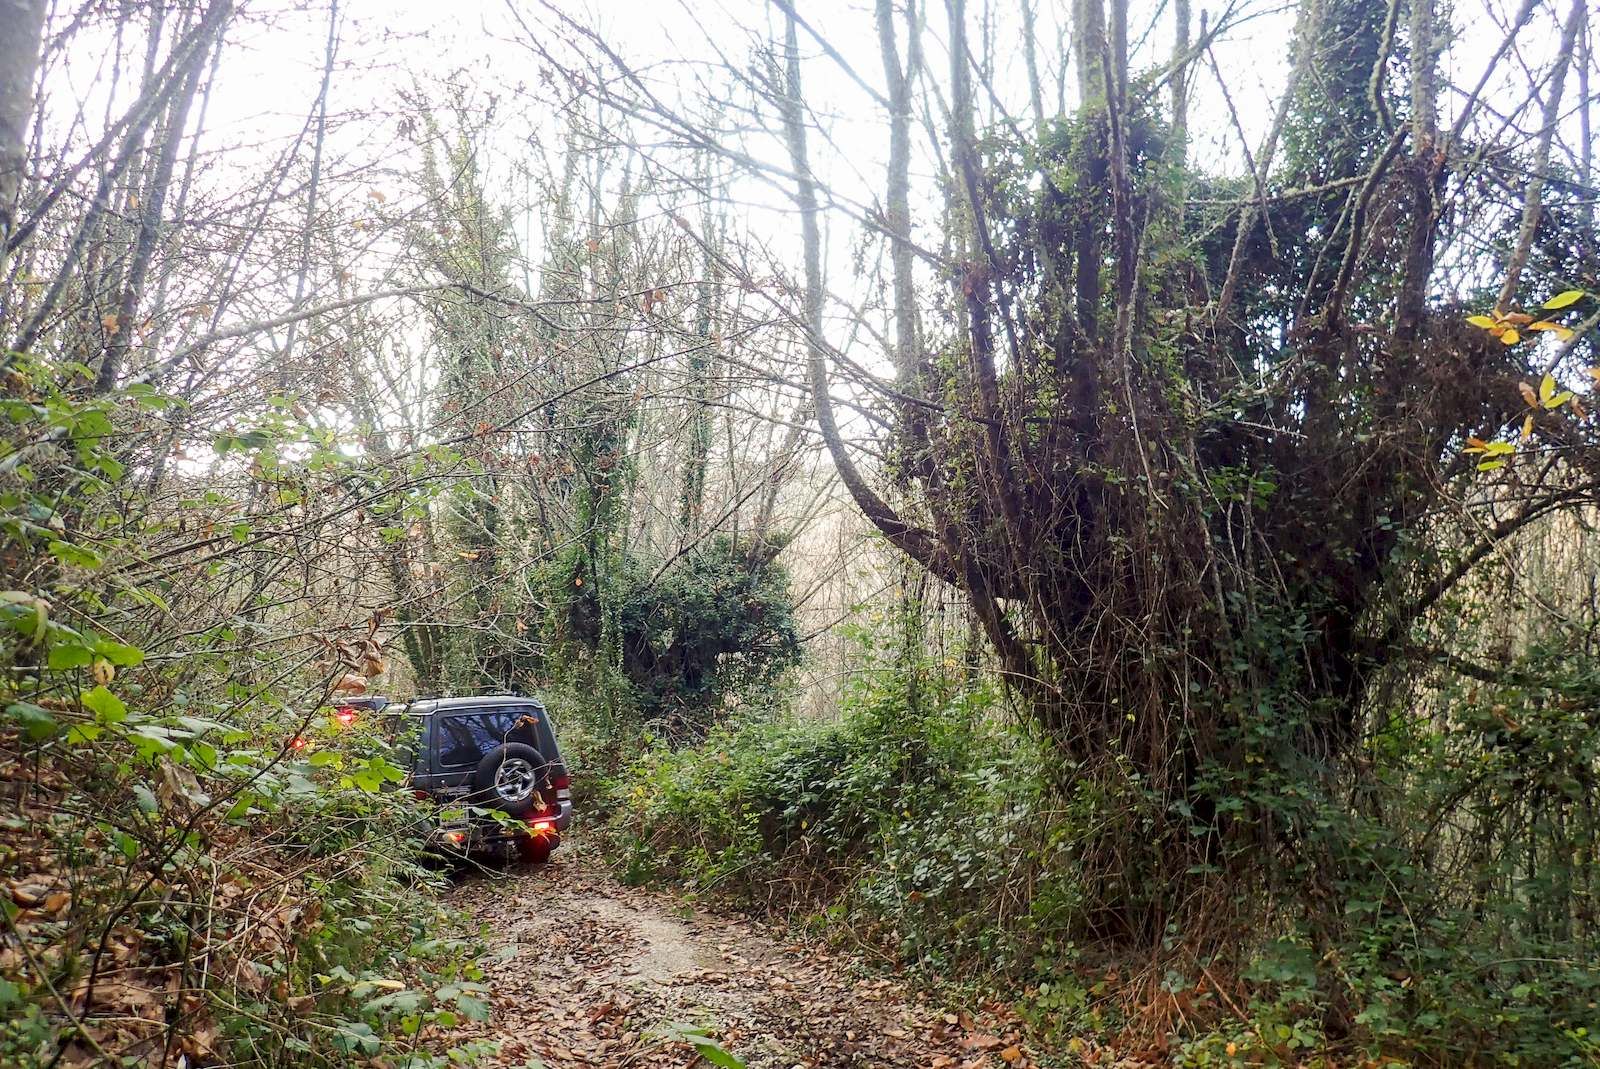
(929, 828)
(1200, 482)
(200, 860)
(714, 625)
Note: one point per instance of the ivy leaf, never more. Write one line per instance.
(19, 602)
(37, 723)
(68, 656)
(106, 706)
(79, 556)
(366, 780)
(82, 733)
(703, 1045)
(356, 1037)
(1562, 299)
(146, 798)
(118, 653)
(474, 1009)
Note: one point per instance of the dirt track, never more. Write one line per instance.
(601, 971)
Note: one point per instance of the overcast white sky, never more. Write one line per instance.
(272, 69)
(386, 45)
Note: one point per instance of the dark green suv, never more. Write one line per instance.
(493, 766)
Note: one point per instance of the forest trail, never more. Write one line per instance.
(597, 974)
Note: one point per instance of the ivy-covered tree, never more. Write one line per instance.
(1200, 450)
(694, 633)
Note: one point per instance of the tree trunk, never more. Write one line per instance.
(21, 27)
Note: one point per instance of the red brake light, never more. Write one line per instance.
(561, 782)
(346, 715)
(543, 827)
(299, 742)
(455, 837)
(421, 796)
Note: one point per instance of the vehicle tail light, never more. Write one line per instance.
(346, 715)
(561, 782)
(455, 838)
(543, 827)
(421, 796)
(299, 742)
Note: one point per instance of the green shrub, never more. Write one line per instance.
(925, 822)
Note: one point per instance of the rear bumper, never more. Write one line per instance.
(485, 837)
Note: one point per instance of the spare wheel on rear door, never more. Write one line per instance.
(510, 778)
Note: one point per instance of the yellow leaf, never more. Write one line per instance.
(1527, 427)
(1516, 318)
(1510, 337)
(1547, 388)
(466, 555)
(1564, 298)
(1594, 373)
(1483, 321)
(1564, 333)
(388, 985)
(1559, 399)
(1528, 395)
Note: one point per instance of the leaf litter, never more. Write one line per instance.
(591, 974)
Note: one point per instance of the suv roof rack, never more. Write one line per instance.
(457, 701)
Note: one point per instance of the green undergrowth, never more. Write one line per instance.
(924, 824)
(187, 890)
(200, 864)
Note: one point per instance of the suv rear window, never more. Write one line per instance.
(464, 738)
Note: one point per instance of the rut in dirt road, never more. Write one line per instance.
(599, 974)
